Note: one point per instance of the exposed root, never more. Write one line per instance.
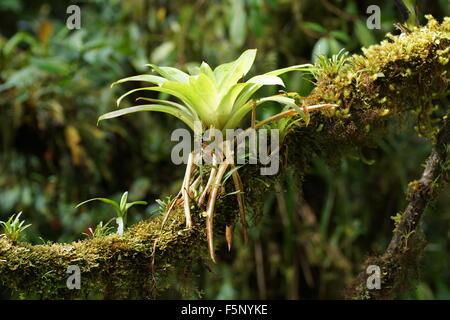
(193, 187)
(241, 202)
(292, 112)
(212, 175)
(229, 235)
(210, 209)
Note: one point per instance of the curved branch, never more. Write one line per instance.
(402, 74)
(401, 258)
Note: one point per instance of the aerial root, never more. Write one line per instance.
(210, 209)
(211, 178)
(241, 202)
(229, 235)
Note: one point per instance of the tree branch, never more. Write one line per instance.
(403, 74)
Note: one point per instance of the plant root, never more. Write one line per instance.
(211, 178)
(229, 235)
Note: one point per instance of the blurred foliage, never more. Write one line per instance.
(54, 83)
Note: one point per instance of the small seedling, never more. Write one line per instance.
(333, 65)
(121, 209)
(100, 230)
(13, 227)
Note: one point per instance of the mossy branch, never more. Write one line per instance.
(404, 73)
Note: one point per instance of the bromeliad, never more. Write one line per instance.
(215, 99)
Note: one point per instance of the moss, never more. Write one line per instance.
(114, 266)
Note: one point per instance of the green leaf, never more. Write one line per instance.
(305, 116)
(298, 67)
(289, 123)
(25, 227)
(290, 103)
(105, 200)
(205, 89)
(233, 193)
(170, 103)
(230, 173)
(54, 65)
(129, 205)
(172, 88)
(192, 97)
(249, 91)
(266, 79)
(170, 73)
(227, 102)
(239, 114)
(230, 73)
(279, 99)
(206, 69)
(342, 36)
